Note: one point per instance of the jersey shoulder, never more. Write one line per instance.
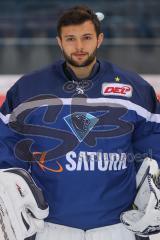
(125, 75)
(29, 84)
(144, 94)
(40, 74)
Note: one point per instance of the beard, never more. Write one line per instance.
(85, 63)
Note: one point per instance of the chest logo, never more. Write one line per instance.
(81, 124)
(117, 89)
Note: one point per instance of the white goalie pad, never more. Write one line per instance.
(145, 220)
(148, 168)
(22, 206)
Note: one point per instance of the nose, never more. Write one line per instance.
(79, 45)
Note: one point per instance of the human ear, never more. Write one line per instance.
(100, 39)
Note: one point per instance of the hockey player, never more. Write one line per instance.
(82, 127)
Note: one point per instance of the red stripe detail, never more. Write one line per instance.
(2, 98)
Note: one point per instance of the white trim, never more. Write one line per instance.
(4, 118)
(131, 106)
(151, 117)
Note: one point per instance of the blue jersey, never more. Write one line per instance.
(81, 140)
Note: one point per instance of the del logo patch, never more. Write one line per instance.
(117, 89)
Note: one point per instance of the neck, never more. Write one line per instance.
(82, 72)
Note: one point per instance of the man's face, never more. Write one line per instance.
(79, 43)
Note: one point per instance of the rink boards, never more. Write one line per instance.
(6, 81)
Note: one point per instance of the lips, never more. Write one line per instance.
(79, 54)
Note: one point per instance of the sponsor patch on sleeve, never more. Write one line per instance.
(117, 89)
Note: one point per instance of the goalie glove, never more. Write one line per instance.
(145, 220)
(22, 205)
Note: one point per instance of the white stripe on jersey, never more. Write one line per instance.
(152, 117)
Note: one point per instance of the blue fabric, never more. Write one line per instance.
(82, 141)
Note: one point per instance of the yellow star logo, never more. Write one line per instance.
(117, 79)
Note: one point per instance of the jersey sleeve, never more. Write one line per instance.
(146, 137)
(8, 137)
(11, 100)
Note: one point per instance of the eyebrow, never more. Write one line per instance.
(88, 34)
(84, 35)
(66, 36)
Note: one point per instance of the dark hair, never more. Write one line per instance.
(78, 15)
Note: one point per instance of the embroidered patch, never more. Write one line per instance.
(117, 89)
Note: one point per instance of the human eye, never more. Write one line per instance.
(87, 37)
(70, 39)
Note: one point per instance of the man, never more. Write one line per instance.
(81, 127)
